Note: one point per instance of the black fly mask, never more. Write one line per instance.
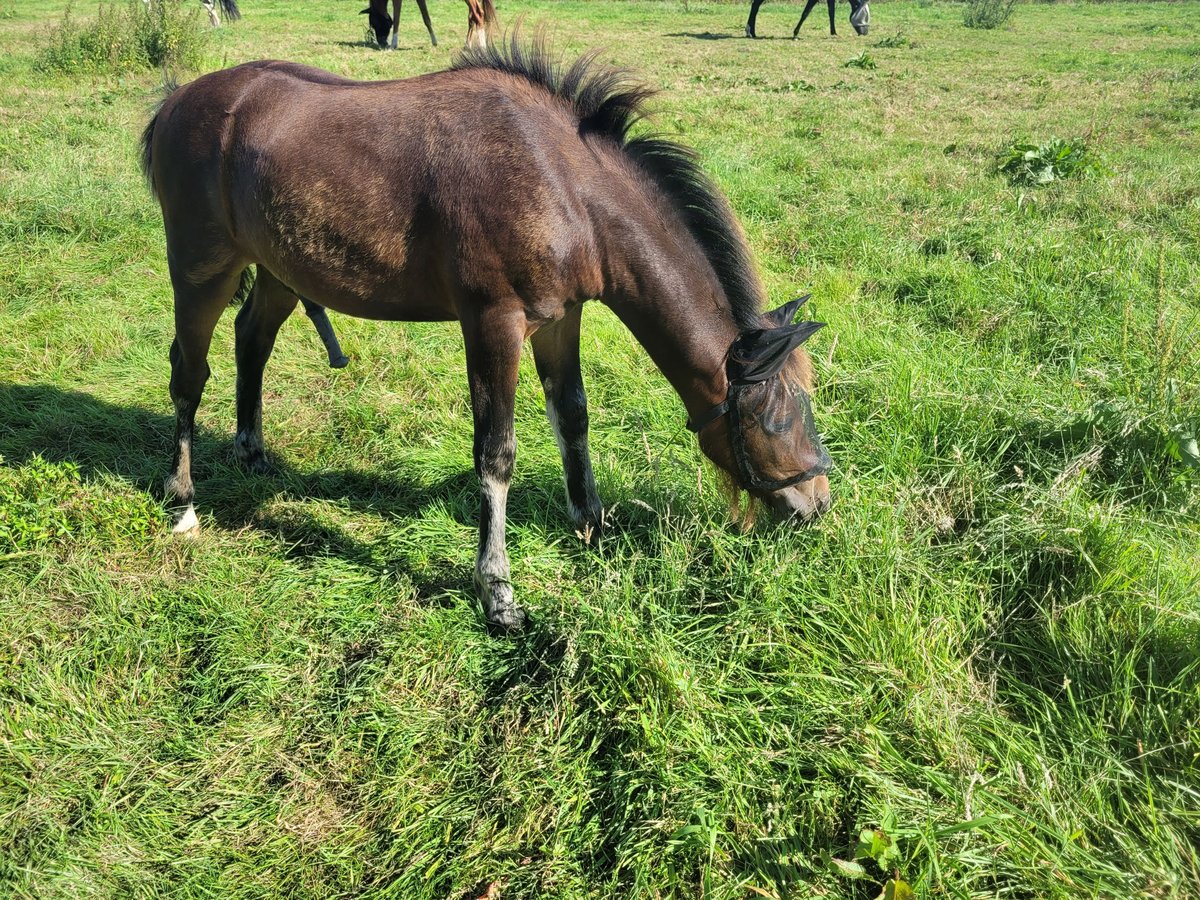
(752, 367)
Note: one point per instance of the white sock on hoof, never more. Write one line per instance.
(187, 523)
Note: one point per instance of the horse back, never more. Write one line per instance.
(382, 199)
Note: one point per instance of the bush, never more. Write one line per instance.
(987, 13)
(167, 33)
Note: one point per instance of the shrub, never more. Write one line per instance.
(167, 33)
(1042, 163)
(987, 13)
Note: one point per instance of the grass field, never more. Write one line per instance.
(989, 650)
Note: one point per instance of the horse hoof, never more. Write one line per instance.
(340, 363)
(750, 34)
(251, 456)
(588, 526)
(187, 525)
(503, 613)
(256, 464)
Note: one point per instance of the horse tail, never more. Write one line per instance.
(230, 10)
(170, 86)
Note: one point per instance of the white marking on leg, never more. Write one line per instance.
(574, 450)
(187, 523)
(493, 557)
(395, 40)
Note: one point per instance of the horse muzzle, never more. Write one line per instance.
(801, 503)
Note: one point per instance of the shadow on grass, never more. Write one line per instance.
(135, 444)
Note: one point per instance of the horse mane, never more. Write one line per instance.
(608, 102)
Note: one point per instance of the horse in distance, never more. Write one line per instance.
(860, 17)
(481, 22)
(502, 193)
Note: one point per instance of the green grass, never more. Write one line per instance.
(988, 649)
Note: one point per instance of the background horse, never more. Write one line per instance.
(229, 9)
(859, 16)
(502, 193)
(481, 20)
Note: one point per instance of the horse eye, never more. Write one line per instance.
(779, 426)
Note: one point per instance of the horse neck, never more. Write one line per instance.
(675, 306)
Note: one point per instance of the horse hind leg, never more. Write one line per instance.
(197, 309)
(750, 33)
(556, 355)
(258, 322)
(808, 7)
(428, 24)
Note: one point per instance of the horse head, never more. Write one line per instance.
(763, 434)
(380, 21)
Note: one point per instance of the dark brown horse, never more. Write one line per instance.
(481, 20)
(860, 16)
(502, 193)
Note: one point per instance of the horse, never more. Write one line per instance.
(481, 21)
(503, 192)
(860, 17)
(229, 9)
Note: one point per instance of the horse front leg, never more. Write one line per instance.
(556, 354)
(493, 341)
(257, 324)
(832, 15)
(395, 22)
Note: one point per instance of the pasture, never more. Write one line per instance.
(988, 652)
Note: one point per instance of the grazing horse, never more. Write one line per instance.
(481, 20)
(502, 193)
(860, 16)
(229, 9)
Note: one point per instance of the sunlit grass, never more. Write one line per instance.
(988, 648)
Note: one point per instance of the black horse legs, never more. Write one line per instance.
(257, 324)
(753, 16)
(808, 7)
(320, 319)
(556, 354)
(197, 309)
(493, 340)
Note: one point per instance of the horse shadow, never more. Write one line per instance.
(702, 35)
(135, 445)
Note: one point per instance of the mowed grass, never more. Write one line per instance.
(988, 649)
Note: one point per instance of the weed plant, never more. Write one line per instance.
(1033, 164)
(165, 34)
(987, 14)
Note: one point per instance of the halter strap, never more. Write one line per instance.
(709, 417)
(737, 440)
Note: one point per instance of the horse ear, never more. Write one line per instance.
(784, 315)
(364, 12)
(804, 330)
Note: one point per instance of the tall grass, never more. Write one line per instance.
(987, 14)
(126, 37)
(979, 672)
